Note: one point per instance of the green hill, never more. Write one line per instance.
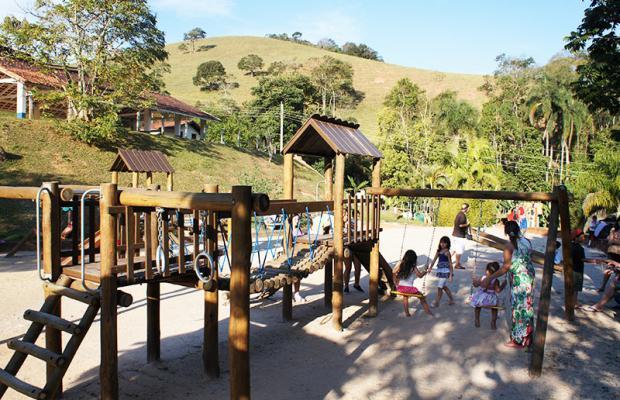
(374, 78)
(38, 152)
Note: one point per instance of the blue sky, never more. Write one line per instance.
(452, 36)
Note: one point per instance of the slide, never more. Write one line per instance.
(67, 260)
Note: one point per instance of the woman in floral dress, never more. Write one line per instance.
(518, 264)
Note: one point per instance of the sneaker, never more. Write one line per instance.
(299, 298)
(358, 288)
(346, 289)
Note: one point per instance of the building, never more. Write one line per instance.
(19, 81)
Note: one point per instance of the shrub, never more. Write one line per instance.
(450, 207)
(99, 131)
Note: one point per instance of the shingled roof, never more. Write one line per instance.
(129, 160)
(327, 136)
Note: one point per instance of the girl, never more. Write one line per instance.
(518, 263)
(444, 270)
(405, 272)
(486, 295)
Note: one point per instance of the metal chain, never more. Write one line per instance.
(430, 246)
(162, 258)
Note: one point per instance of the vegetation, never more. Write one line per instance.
(194, 35)
(251, 63)
(350, 48)
(210, 75)
(102, 51)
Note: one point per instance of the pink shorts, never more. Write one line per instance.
(408, 289)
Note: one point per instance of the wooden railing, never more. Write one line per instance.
(362, 218)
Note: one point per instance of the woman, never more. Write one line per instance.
(517, 261)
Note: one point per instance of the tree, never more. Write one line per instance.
(251, 63)
(194, 35)
(334, 80)
(210, 75)
(328, 44)
(296, 36)
(103, 51)
(599, 76)
(361, 50)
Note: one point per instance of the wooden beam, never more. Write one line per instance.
(289, 187)
(239, 322)
(337, 297)
(373, 284)
(210, 350)
(328, 196)
(52, 263)
(108, 371)
(567, 260)
(540, 333)
(464, 194)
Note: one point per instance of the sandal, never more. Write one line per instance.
(513, 345)
(591, 309)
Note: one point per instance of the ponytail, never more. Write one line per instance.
(511, 228)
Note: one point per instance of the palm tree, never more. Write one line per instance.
(474, 168)
(601, 179)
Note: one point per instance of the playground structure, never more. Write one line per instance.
(132, 242)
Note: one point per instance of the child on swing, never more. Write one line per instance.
(486, 294)
(445, 270)
(405, 273)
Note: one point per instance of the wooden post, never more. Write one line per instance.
(239, 324)
(373, 285)
(149, 179)
(52, 264)
(338, 243)
(329, 196)
(289, 187)
(108, 371)
(210, 350)
(169, 182)
(153, 293)
(115, 177)
(135, 179)
(567, 260)
(540, 333)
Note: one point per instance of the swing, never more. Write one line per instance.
(499, 307)
(422, 294)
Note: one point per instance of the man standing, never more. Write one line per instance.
(459, 234)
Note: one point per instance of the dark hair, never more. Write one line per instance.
(511, 228)
(407, 264)
(444, 239)
(464, 206)
(492, 267)
(594, 217)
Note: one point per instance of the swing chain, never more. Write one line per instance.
(161, 257)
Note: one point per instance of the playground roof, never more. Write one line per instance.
(129, 160)
(327, 136)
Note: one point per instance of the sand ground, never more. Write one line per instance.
(388, 357)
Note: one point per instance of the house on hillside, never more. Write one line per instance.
(20, 81)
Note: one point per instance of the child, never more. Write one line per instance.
(486, 295)
(405, 273)
(444, 270)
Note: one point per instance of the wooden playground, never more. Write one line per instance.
(211, 241)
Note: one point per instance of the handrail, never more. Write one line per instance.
(19, 192)
(464, 194)
(82, 253)
(38, 230)
(294, 207)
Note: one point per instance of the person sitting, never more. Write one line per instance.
(613, 253)
(612, 291)
(591, 229)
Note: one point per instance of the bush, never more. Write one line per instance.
(260, 184)
(450, 207)
(99, 131)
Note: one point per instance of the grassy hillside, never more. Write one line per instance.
(38, 152)
(372, 77)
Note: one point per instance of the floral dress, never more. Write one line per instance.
(522, 278)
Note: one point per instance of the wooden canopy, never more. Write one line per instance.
(325, 136)
(141, 161)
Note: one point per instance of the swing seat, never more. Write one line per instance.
(416, 295)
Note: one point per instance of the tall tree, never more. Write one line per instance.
(251, 63)
(103, 51)
(210, 75)
(194, 35)
(334, 80)
(599, 76)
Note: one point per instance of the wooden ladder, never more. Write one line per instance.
(45, 318)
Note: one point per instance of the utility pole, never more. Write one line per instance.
(281, 126)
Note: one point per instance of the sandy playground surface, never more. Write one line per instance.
(388, 357)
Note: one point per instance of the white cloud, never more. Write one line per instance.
(14, 7)
(334, 24)
(195, 8)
